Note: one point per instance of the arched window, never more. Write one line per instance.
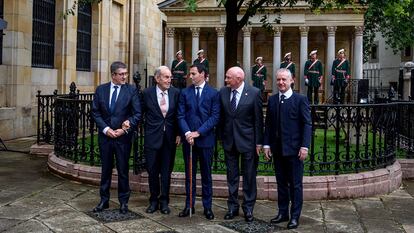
(84, 34)
(43, 35)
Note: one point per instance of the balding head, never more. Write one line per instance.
(234, 77)
(162, 77)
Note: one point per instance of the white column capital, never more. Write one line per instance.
(195, 32)
(331, 30)
(304, 31)
(359, 30)
(247, 31)
(221, 31)
(170, 32)
(277, 31)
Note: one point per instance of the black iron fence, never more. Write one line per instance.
(345, 138)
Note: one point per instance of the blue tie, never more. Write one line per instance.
(198, 94)
(113, 99)
(233, 101)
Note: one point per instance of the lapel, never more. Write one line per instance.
(243, 97)
(193, 96)
(170, 100)
(154, 99)
(107, 92)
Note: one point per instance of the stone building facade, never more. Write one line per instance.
(109, 33)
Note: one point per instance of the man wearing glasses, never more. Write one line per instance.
(116, 110)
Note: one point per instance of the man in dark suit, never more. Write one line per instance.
(287, 136)
(115, 109)
(242, 134)
(198, 114)
(161, 137)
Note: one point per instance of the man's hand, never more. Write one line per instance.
(267, 154)
(126, 125)
(191, 136)
(119, 132)
(303, 153)
(111, 133)
(258, 149)
(178, 140)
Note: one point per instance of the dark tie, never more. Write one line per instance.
(113, 99)
(279, 119)
(198, 94)
(233, 101)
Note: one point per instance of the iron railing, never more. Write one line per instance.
(345, 138)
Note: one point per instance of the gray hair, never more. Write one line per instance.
(158, 70)
(284, 70)
(116, 65)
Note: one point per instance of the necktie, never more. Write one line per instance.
(163, 104)
(197, 94)
(113, 99)
(279, 119)
(233, 101)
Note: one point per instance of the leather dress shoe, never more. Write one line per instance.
(123, 209)
(248, 217)
(186, 212)
(293, 223)
(231, 214)
(209, 214)
(279, 218)
(151, 208)
(100, 207)
(165, 209)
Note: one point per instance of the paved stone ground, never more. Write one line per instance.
(33, 200)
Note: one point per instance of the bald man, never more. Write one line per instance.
(242, 129)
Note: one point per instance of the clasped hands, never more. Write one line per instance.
(191, 136)
(119, 132)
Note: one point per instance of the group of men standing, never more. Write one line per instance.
(190, 117)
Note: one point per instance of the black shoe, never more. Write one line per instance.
(293, 223)
(186, 212)
(248, 217)
(231, 214)
(279, 218)
(151, 208)
(165, 209)
(123, 209)
(100, 207)
(209, 214)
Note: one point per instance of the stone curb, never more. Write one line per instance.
(364, 184)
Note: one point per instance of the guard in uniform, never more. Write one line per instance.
(288, 64)
(259, 73)
(313, 74)
(340, 76)
(179, 71)
(202, 60)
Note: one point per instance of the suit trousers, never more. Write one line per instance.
(122, 151)
(204, 155)
(160, 163)
(289, 175)
(249, 163)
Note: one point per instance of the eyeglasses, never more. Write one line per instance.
(122, 74)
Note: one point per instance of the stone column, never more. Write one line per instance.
(358, 53)
(276, 55)
(180, 41)
(303, 55)
(195, 43)
(220, 56)
(329, 59)
(170, 46)
(246, 52)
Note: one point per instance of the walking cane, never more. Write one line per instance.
(190, 165)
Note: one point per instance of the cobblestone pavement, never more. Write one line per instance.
(34, 200)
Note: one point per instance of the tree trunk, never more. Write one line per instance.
(232, 31)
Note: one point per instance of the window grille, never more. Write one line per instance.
(83, 43)
(43, 37)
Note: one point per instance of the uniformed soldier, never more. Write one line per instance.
(259, 73)
(313, 74)
(340, 76)
(179, 71)
(202, 60)
(288, 64)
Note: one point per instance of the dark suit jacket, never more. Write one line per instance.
(127, 108)
(244, 127)
(202, 118)
(155, 121)
(296, 125)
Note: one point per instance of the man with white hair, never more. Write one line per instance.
(340, 76)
